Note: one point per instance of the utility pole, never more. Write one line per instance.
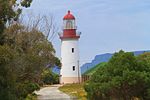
(78, 72)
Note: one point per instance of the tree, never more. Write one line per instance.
(7, 73)
(145, 60)
(124, 77)
(33, 49)
(49, 77)
(24, 50)
(9, 12)
(24, 55)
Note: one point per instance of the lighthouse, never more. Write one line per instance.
(70, 70)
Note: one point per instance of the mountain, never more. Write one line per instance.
(98, 59)
(103, 58)
(56, 70)
(94, 69)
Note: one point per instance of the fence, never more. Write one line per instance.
(85, 78)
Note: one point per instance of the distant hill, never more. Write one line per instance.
(94, 69)
(103, 58)
(56, 70)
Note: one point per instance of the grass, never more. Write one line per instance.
(76, 90)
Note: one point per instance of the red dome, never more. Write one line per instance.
(68, 16)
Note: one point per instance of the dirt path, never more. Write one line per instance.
(52, 93)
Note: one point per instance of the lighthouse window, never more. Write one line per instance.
(72, 50)
(73, 68)
(69, 24)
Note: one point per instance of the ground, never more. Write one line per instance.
(52, 93)
(74, 90)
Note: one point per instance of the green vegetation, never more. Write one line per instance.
(31, 97)
(24, 53)
(9, 12)
(124, 77)
(76, 90)
(24, 57)
(48, 77)
(94, 69)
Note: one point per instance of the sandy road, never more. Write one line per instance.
(52, 93)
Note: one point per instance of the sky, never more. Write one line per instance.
(107, 26)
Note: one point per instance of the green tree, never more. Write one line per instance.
(23, 57)
(24, 51)
(124, 77)
(35, 52)
(49, 77)
(145, 60)
(9, 12)
(7, 74)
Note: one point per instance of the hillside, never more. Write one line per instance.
(98, 59)
(103, 58)
(94, 69)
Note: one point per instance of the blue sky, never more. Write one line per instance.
(106, 25)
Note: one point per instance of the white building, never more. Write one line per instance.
(70, 70)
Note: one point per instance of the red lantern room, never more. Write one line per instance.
(69, 27)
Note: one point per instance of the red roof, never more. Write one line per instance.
(69, 16)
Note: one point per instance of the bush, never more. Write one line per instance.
(49, 77)
(124, 77)
(23, 89)
(31, 87)
(31, 97)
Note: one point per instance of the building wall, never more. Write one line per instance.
(68, 60)
(67, 80)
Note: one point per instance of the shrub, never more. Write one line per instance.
(124, 77)
(49, 77)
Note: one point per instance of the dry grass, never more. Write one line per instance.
(74, 90)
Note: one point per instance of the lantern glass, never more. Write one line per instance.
(69, 24)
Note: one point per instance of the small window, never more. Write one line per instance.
(73, 68)
(72, 50)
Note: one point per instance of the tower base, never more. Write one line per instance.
(70, 80)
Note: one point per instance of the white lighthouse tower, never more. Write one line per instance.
(70, 70)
